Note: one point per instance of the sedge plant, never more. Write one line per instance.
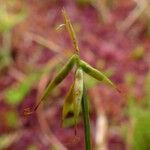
(76, 98)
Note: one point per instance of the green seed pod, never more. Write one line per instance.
(95, 73)
(59, 77)
(77, 93)
(72, 105)
(68, 109)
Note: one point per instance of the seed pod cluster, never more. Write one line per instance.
(72, 104)
(76, 96)
(78, 83)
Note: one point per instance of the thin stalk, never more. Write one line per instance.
(71, 31)
(85, 111)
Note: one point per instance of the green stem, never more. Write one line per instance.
(85, 111)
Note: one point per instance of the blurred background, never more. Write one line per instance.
(114, 37)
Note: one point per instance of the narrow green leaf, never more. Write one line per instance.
(138, 52)
(85, 112)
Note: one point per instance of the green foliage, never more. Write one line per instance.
(5, 56)
(5, 141)
(84, 2)
(32, 147)
(11, 118)
(138, 52)
(5, 59)
(141, 130)
(8, 20)
(140, 117)
(147, 88)
(15, 94)
(130, 78)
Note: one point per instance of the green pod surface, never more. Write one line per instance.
(59, 77)
(95, 73)
(77, 93)
(68, 109)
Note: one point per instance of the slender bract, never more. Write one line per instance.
(85, 112)
(59, 77)
(70, 30)
(95, 73)
(78, 92)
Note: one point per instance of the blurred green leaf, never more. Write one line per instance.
(4, 141)
(4, 59)
(147, 87)
(7, 140)
(141, 126)
(32, 147)
(138, 52)
(130, 78)
(84, 2)
(15, 94)
(5, 50)
(141, 134)
(11, 118)
(9, 20)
